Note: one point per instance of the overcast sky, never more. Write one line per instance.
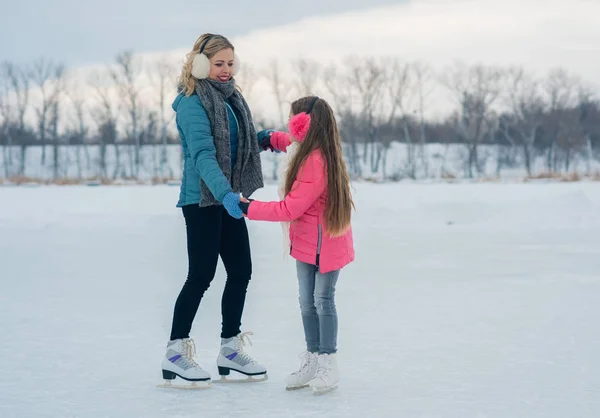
(81, 32)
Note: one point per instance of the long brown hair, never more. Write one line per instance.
(323, 135)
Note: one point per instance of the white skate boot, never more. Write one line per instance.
(233, 357)
(308, 369)
(327, 376)
(179, 361)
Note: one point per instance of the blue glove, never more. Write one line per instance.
(231, 202)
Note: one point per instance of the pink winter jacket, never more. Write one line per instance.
(304, 208)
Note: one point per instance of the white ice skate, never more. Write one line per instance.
(308, 369)
(179, 361)
(327, 376)
(233, 357)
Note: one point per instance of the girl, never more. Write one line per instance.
(221, 159)
(318, 205)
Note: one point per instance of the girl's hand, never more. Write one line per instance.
(244, 204)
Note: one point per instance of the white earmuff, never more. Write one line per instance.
(236, 64)
(200, 66)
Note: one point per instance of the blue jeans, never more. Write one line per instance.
(317, 305)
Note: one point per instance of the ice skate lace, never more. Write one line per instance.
(189, 352)
(241, 342)
(323, 369)
(305, 360)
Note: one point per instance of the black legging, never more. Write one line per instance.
(211, 232)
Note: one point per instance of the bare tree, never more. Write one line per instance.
(423, 87)
(247, 80)
(18, 80)
(105, 116)
(54, 124)
(343, 94)
(280, 91)
(6, 117)
(408, 87)
(367, 76)
(47, 77)
(579, 124)
(80, 128)
(400, 91)
(53, 131)
(125, 76)
(561, 89)
(306, 74)
(524, 99)
(475, 90)
(150, 135)
(588, 109)
(163, 77)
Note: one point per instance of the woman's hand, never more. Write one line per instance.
(231, 204)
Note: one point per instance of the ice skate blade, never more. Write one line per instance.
(248, 379)
(323, 391)
(291, 388)
(191, 386)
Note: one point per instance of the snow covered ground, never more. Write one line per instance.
(438, 160)
(466, 300)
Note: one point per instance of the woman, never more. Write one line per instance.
(221, 160)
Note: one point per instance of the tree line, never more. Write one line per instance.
(124, 107)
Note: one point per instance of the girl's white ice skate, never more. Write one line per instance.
(327, 377)
(307, 371)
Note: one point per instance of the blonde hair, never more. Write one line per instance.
(186, 80)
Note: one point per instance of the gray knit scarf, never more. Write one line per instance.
(247, 174)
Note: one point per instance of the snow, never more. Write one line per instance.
(466, 300)
(437, 160)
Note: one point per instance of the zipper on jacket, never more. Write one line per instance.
(234, 116)
(319, 239)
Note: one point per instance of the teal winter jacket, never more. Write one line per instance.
(199, 153)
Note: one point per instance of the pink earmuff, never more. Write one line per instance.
(299, 124)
